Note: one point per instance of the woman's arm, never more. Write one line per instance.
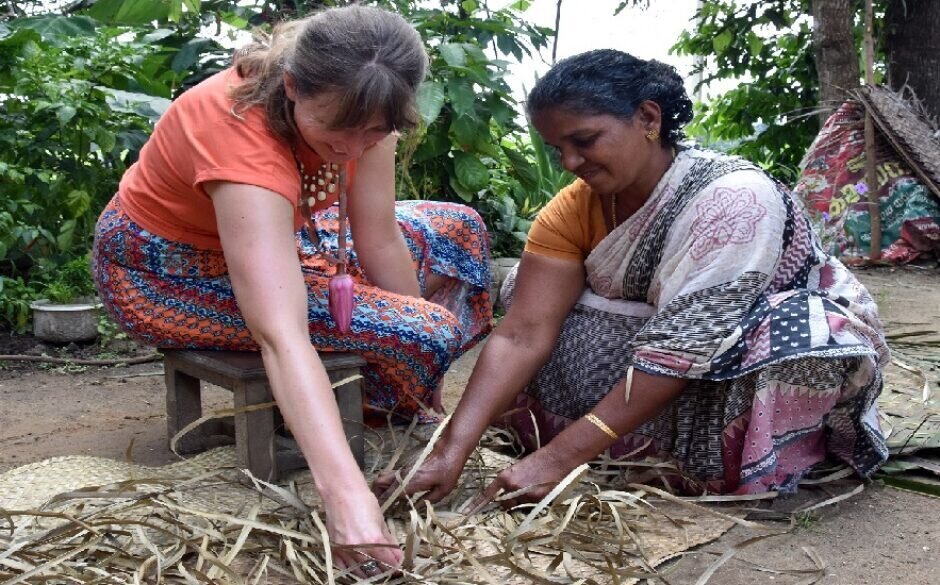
(256, 229)
(546, 290)
(380, 245)
(582, 440)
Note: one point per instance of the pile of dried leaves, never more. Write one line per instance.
(202, 520)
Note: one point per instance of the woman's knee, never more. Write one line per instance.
(471, 219)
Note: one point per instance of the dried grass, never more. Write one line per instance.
(202, 520)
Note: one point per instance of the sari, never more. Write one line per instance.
(718, 279)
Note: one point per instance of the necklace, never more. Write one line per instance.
(322, 182)
(613, 209)
(327, 179)
(613, 198)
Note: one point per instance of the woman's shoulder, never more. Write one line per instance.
(572, 201)
(208, 104)
(576, 193)
(727, 171)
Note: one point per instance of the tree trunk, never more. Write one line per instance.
(557, 26)
(835, 52)
(913, 49)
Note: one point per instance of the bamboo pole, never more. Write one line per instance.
(871, 178)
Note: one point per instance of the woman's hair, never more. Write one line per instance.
(372, 58)
(611, 82)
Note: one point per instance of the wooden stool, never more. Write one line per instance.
(242, 372)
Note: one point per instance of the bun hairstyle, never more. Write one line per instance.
(612, 82)
(372, 58)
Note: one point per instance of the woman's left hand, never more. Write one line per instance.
(534, 475)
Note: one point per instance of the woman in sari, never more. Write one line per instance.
(670, 303)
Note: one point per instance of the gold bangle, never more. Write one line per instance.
(594, 420)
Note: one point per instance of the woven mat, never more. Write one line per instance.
(89, 486)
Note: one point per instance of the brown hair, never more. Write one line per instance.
(373, 58)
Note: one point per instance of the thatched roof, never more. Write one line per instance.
(910, 131)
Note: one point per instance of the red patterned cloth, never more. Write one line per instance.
(834, 188)
(173, 295)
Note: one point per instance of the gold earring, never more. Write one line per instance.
(652, 135)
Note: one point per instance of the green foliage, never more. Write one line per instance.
(82, 83)
(65, 136)
(65, 283)
(15, 298)
(78, 98)
(769, 119)
(469, 149)
(108, 331)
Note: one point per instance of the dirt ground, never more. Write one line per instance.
(882, 536)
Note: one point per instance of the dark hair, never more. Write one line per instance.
(612, 82)
(373, 58)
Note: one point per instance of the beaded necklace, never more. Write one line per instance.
(329, 178)
(323, 182)
(313, 188)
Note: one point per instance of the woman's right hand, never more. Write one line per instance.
(354, 521)
(437, 476)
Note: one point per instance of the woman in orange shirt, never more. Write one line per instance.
(202, 247)
(671, 303)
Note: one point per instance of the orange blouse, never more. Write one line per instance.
(569, 226)
(199, 139)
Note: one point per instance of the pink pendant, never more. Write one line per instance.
(342, 288)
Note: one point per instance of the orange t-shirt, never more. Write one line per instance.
(200, 139)
(570, 226)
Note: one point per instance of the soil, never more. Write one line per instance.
(879, 537)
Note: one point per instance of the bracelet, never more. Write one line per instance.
(594, 420)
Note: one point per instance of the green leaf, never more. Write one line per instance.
(465, 130)
(65, 114)
(475, 52)
(436, 143)
(453, 54)
(462, 97)
(105, 10)
(469, 6)
(430, 100)
(525, 171)
(19, 38)
(502, 114)
(471, 172)
(509, 46)
(722, 40)
(460, 190)
(145, 11)
(56, 28)
(188, 55)
(193, 6)
(157, 35)
(66, 235)
(105, 139)
(78, 202)
(142, 104)
(234, 20)
(754, 43)
(176, 11)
